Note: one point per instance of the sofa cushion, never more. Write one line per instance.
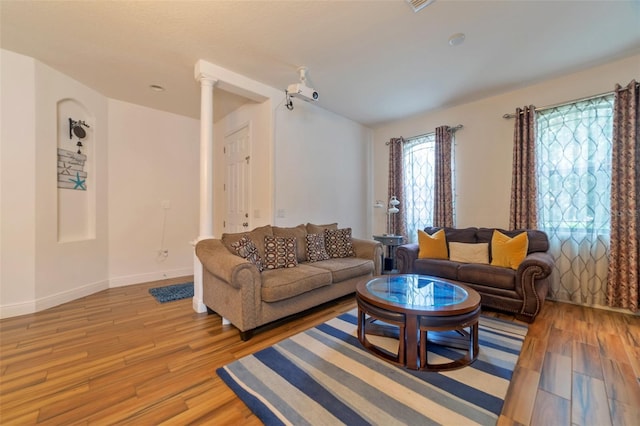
(281, 284)
(462, 235)
(299, 233)
(469, 252)
(279, 252)
(337, 242)
(315, 248)
(346, 267)
(492, 276)
(257, 236)
(437, 268)
(247, 249)
(508, 252)
(319, 229)
(432, 246)
(538, 240)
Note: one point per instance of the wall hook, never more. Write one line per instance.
(75, 128)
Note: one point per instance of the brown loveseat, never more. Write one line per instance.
(237, 290)
(520, 291)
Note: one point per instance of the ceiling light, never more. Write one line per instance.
(156, 88)
(456, 39)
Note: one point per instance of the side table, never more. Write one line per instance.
(390, 242)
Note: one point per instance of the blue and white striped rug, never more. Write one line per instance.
(323, 376)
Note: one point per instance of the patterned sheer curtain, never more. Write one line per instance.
(396, 185)
(418, 180)
(624, 265)
(443, 188)
(523, 213)
(574, 191)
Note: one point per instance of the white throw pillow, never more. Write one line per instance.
(469, 252)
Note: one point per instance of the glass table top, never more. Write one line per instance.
(416, 291)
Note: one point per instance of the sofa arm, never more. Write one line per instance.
(223, 264)
(369, 249)
(406, 255)
(532, 281)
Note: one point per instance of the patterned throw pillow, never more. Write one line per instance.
(279, 252)
(246, 249)
(338, 242)
(315, 248)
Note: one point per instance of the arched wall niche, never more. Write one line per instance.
(76, 177)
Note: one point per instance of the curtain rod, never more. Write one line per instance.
(512, 115)
(452, 129)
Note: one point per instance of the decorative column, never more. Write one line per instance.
(206, 181)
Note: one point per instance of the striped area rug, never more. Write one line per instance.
(323, 376)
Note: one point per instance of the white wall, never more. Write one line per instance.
(322, 169)
(310, 163)
(153, 158)
(17, 184)
(66, 270)
(140, 157)
(318, 169)
(258, 117)
(484, 147)
(37, 270)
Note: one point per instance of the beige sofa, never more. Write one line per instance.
(236, 289)
(520, 291)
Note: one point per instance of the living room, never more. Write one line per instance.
(145, 156)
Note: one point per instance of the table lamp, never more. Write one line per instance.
(393, 209)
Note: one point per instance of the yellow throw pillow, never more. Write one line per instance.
(508, 252)
(432, 246)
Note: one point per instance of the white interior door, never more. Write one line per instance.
(237, 149)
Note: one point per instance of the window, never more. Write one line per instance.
(574, 165)
(419, 160)
(573, 145)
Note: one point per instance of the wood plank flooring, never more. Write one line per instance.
(119, 357)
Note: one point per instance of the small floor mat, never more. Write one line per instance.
(172, 292)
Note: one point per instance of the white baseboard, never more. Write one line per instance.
(31, 306)
(50, 301)
(17, 309)
(151, 276)
(594, 306)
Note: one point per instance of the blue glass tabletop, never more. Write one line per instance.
(416, 291)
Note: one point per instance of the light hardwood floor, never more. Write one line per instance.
(119, 357)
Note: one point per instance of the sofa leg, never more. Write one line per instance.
(246, 335)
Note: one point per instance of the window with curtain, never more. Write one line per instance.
(419, 161)
(573, 146)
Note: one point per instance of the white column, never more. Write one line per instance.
(206, 180)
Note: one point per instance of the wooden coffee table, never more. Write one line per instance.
(419, 311)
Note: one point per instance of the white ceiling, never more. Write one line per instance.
(371, 61)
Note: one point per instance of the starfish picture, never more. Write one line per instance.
(79, 183)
